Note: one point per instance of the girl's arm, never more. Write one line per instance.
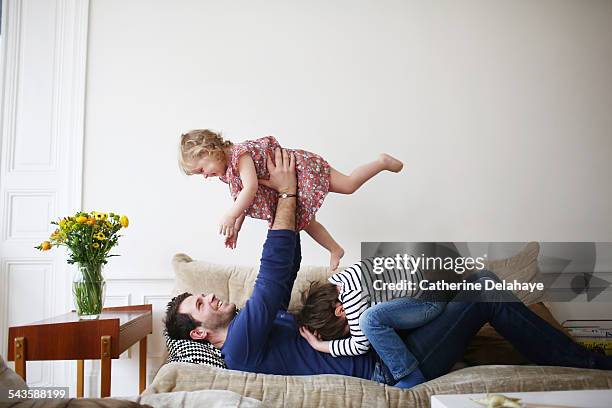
(239, 221)
(248, 175)
(232, 241)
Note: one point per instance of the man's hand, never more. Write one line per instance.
(283, 179)
(314, 341)
(282, 172)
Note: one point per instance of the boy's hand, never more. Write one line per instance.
(314, 341)
(230, 242)
(226, 225)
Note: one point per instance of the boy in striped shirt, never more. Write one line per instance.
(350, 303)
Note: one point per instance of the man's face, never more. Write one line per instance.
(208, 309)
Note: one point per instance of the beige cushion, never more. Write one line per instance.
(234, 283)
(9, 379)
(522, 267)
(197, 399)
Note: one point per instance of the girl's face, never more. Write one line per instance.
(209, 167)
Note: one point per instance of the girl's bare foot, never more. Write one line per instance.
(335, 256)
(391, 163)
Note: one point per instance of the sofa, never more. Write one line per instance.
(504, 370)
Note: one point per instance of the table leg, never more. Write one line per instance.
(143, 365)
(105, 366)
(20, 357)
(80, 376)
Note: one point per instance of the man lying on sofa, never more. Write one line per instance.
(264, 338)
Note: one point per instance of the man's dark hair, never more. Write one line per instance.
(318, 311)
(179, 325)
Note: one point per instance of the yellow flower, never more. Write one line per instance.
(99, 236)
(45, 246)
(81, 219)
(95, 245)
(124, 221)
(62, 223)
(99, 216)
(91, 221)
(108, 224)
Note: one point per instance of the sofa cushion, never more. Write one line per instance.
(197, 399)
(9, 379)
(522, 267)
(234, 283)
(195, 352)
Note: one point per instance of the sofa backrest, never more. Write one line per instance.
(234, 283)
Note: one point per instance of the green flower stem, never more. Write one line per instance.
(88, 289)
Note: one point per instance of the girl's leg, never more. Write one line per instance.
(343, 184)
(324, 238)
(379, 323)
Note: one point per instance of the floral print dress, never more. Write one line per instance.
(312, 177)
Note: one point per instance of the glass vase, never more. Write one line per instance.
(88, 290)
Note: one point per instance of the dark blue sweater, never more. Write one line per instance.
(264, 338)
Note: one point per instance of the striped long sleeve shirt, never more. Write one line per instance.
(357, 293)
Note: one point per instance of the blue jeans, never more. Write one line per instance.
(439, 344)
(380, 321)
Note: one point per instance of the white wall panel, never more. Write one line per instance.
(43, 84)
(33, 138)
(28, 214)
(29, 300)
(156, 346)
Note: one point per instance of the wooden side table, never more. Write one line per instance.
(65, 337)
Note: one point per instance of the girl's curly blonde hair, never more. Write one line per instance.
(197, 143)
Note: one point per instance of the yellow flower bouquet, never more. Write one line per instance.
(89, 238)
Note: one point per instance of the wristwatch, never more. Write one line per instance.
(286, 195)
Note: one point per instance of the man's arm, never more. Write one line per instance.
(284, 182)
(248, 335)
(285, 211)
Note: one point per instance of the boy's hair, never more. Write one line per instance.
(318, 311)
(197, 143)
(179, 325)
